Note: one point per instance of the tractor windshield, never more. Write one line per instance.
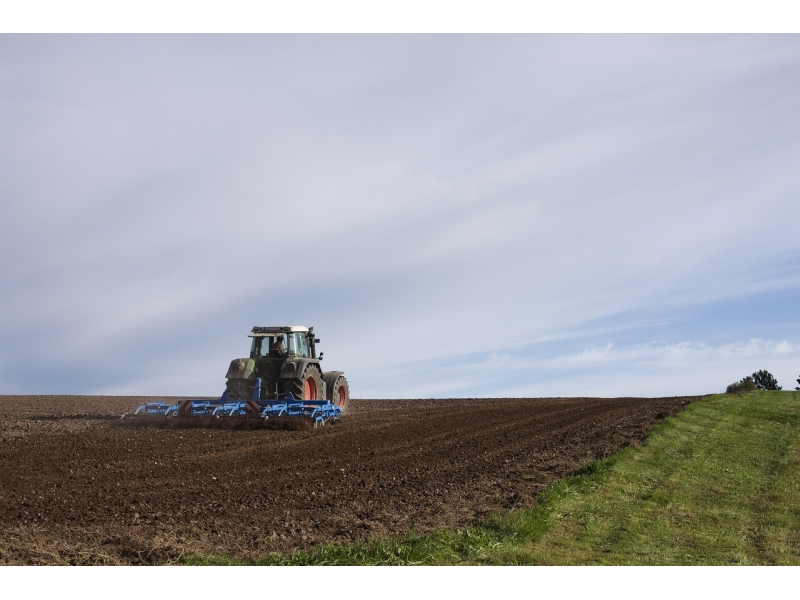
(260, 347)
(296, 343)
(268, 346)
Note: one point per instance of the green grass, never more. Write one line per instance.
(719, 484)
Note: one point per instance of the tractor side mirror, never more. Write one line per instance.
(316, 340)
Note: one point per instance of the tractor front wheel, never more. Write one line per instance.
(337, 390)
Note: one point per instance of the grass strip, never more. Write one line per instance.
(718, 484)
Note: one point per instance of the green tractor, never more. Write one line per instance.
(284, 361)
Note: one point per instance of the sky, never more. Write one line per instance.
(456, 215)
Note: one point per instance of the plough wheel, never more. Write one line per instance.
(306, 387)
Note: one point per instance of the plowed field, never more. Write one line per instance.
(76, 487)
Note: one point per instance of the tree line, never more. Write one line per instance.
(760, 380)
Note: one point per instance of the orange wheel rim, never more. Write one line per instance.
(341, 396)
(310, 389)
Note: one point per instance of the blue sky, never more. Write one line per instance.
(495, 215)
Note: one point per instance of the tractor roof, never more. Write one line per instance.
(273, 331)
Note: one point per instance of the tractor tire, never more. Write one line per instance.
(307, 387)
(239, 389)
(337, 390)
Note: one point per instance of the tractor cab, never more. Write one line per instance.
(283, 342)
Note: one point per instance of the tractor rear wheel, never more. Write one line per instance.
(307, 387)
(239, 389)
(337, 390)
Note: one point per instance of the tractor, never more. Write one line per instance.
(281, 384)
(285, 360)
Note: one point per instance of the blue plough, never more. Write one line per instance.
(285, 406)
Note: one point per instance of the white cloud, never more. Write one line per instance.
(649, 369)
(418, 199)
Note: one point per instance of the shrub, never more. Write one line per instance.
(765, 381)
(745, 385)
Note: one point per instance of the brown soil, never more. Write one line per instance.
(76, 487)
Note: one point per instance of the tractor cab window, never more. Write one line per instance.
(258, 347)
(261, 347)
(298, 343)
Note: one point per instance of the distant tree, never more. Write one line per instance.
(765, 381)
(798, 381)
(745, 385)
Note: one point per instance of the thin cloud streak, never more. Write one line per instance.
(650, 369)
